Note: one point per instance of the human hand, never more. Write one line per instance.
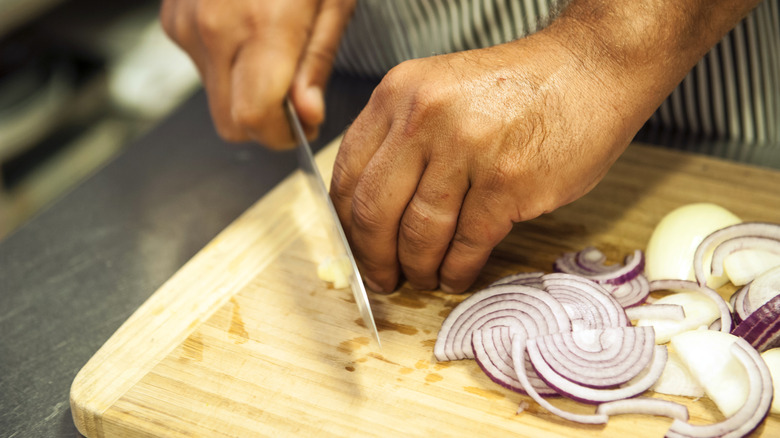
(452, 150)
(251, 54)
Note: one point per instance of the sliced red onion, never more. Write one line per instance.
(598, 358)
(725, 313)
(739, 303)
(763, 230)
(728, 247)
(715, 325)
(518, 349)
(673, 312)
(631, 293)
(533, 279)
(645, 405)
(588, 304)
(750, 414)
(762, 289)
(586, 394)
(589, 263)
(507, 304)
(762, 328)
(493, 353)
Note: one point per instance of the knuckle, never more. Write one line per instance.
(417, 229)
(208, 20)
(365, 213)
(249, 116)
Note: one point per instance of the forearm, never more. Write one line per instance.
(647, 46)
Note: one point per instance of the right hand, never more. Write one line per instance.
(252, 53)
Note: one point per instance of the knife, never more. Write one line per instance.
(338, 237)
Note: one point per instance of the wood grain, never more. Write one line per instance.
(245, 340)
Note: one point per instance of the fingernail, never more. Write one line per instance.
(373, 286)
(446, 289)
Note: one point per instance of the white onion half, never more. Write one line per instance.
(672, 245)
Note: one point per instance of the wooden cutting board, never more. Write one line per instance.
(245, 340)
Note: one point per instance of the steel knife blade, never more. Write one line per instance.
(338, 237)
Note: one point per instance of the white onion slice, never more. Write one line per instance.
(671, 312)
(752, 411)
(725, 313)
(699, 311)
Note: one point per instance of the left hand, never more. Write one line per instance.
(452, 150)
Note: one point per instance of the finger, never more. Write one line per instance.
(317, 62)
(360, 142)
(483, 223)
(384, 189)
(429, 222)
(218, 49)
(261, 77)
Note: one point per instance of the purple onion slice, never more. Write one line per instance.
(533, 279)
(631, 293)
(518, 349)
(587, 302)
(493, 353)
(598, 358)
(762, 328)
(590, 261)
(763, 230)
(585, 394)
(536, 310)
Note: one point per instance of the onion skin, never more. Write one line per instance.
(762, 327)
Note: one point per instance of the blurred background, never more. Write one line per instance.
(79, 80)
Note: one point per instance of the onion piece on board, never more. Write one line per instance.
(518, 354)
(702, 268)
(765, 287)
(645, 405)
(492, 352)
(590, 263)
(597, 358)
(752, 412)
(772, 360)
(537, 310)
(699, 311)
(762, 328)
(725, 313)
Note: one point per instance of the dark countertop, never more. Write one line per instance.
(73, 274)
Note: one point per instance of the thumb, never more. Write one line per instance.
(316, 63)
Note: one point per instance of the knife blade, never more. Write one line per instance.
(338, 237)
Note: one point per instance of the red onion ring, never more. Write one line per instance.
(645, 405)
(736, 244)
(750, 414)
(763, 230)
(506, 304)
(631, 293)
(586, 298)
(762, 328)
(518, 349)
(598, 358)
(492, 352)
(589, 263)
(725, 313)
(533, 279)
(585, 394)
